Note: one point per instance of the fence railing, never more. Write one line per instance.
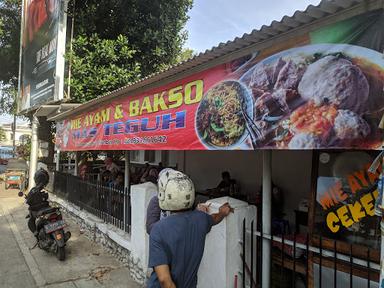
(111, 204)
(301, 260)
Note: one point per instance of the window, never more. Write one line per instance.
(345, 198)
(150, 156)
(135, 156)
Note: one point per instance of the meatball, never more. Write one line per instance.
(304, 141)
(349, 125)
(334, 80)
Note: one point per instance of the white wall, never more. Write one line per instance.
(222, 261)
(291, 171)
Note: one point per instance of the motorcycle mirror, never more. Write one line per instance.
(20, 194)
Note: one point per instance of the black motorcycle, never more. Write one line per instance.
(50, 233)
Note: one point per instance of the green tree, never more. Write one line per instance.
(24, 150)
(135, 38)
(101, 65)
(10, 15)
(10, 11)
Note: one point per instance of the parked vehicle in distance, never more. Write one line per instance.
(16, 174)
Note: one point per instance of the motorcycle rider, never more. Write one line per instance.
(37, 198)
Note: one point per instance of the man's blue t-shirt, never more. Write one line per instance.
(178, 241)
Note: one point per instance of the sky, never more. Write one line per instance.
(6, 119)
(215, 21)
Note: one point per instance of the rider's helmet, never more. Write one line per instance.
(176, 190)
(41, 178)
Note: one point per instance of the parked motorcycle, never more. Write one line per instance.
(50, 235)
(45, 222)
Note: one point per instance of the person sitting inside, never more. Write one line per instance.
(111, 166)
(151, 172)
(118, 183)
(106, 177)
(227, 186)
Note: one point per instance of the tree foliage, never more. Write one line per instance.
(101, 65)
(24, 149)
(119, 41)
(10, 16)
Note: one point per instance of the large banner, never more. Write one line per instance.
(40, 38)
(320, 90)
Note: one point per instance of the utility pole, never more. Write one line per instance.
(14, 135)
(34, 151)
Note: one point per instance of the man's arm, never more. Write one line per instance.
(224, 211)
(164, 276)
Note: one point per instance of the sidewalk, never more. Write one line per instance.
(14, 271)
(87, 264)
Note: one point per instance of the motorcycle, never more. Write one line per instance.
(50, 225)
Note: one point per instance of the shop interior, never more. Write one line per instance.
(304, 197)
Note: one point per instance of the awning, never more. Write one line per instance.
(320, 88)
(51, 111)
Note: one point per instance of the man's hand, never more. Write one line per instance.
(224, 211)
(164, 276)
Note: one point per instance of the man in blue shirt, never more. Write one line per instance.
(177, 242)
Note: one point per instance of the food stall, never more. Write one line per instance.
(311, 82)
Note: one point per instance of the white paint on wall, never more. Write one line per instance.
(222, 260)
(291, 171)
(140, 196)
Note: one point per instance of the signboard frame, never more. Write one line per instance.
(55, 59)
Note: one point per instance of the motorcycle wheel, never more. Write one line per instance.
(60, 253)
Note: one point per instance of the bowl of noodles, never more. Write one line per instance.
(220, 122)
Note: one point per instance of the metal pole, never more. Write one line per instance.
(58, 160)
(69, 156)
(266, 214)
(184, 161)
(126, 169)
(14, 134)
(126, 185)
(77, 154)
(34, 151)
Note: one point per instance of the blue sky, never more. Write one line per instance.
(215, 21)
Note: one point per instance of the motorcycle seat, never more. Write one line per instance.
(47, 211)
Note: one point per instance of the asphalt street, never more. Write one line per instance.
(87, 264)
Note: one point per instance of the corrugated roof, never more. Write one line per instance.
(312, 13)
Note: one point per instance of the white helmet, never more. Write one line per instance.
(176, 190)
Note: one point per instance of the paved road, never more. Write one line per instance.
(87, 265)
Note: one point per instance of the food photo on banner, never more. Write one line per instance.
(322, 90)
(39, 52)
